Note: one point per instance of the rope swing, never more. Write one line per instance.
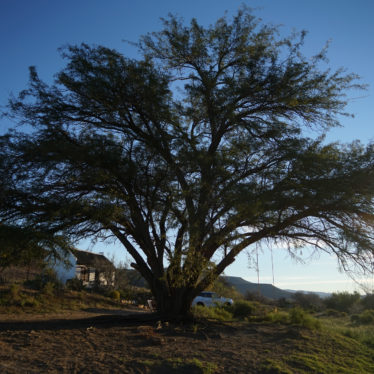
(272, 263)
(258, 272)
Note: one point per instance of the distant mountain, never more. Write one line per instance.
(267, 290)
(322, 295)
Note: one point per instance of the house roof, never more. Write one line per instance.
(90, 259)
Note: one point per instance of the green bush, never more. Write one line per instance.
(278, 317)
(30, 302)
(128, 293)
(308, 301)
(75, 284)
(48, 276)
(49, 289)
(14, 293)
(296, 316)
(342, 301)
(368, 301)
(241, 309)
(365, 318)
(299, 317)
(223, 288)
(255, 296)
(114, 294)
(218, 313)
(334, 313)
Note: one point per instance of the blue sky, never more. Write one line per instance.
(31, 32)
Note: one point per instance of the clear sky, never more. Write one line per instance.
(31, 32)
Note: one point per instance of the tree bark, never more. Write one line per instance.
(173, 304)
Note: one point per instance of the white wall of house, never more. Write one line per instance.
(64, 271)
(86, 274)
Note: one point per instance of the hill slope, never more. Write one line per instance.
(267, 290)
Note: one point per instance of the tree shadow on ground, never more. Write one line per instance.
(102, 321)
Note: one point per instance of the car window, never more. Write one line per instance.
(209, 294)
(206, 294)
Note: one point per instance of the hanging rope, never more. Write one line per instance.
(258, 271)
(272, 263)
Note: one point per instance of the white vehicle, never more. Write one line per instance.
(211, 299)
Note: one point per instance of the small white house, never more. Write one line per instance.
(90, 268)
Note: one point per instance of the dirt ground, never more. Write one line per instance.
(98, 341)
(132, 341)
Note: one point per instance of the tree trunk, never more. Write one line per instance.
(174, 304)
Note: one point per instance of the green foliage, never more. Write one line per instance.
(14, 293)
(48, 300)
(368, 301)
(21, 246)
(115, 295)
(111, 147)
(257, 297)
(49, 288)
(342, 301)
(365, 318)
(271, 366)
(241, 309)
(75, 284)
(310, 301)
(223, 288)
(363, 335)
(205, 367)
(296, 316)
(278, 317)
(334, 313)
(301, 318)
(16, 297)
(218, 313)
(47, 278)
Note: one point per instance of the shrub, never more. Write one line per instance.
(283, 302)
(30, 302)
(296, 316)
(14, 293)
(223, 288)
(48, 276)
(75, 284)
(342, 301)
(115, 295)
(368, 301)
(128, 293)
(49, 289)
(241, 309)
(308, 301)
(278, 317)
(299, 317)
(218, 313)
(255, 296)
(334, 313)
(365, 318)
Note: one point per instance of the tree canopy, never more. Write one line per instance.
(191, 153)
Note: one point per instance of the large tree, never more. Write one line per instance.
(191, 153)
